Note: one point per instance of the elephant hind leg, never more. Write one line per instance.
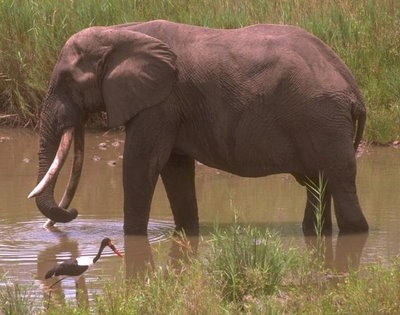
(178, 178)
(349, 216)
(342, 184)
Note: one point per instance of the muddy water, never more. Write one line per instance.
(27, 250)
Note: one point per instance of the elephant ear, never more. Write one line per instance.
(139, 72)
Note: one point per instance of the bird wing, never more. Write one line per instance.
(64, 269)
(50, 273)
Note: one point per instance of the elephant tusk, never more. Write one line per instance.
(76, 170)
(57, 163)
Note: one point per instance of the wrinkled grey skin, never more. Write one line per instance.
(255, 101)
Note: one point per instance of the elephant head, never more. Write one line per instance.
(99, 69)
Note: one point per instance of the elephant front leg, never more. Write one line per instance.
(144, 156)
(310, 223)
(178, 178)
(139, 185)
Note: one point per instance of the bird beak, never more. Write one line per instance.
(115, 250)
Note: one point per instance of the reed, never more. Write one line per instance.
(317, 190)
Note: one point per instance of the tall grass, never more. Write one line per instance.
(248, 262)
(16, 299)
(365, 33)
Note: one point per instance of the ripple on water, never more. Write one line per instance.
(24, 244)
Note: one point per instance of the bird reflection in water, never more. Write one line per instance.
(73, 268)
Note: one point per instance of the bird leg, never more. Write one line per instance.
(56, 282)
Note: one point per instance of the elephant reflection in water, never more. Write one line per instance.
(47, 258)
(139, 255)
(343, 257)
(347, 254)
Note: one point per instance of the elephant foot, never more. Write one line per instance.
(353, 227)
(134, 230)
(309, 225)
(311, 231)
(192, 231)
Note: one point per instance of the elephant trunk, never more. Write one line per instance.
(51, 160)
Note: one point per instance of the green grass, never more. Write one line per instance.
(243, 270)
(365, 33)
(16, 299)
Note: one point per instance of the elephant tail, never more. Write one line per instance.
(359, 118)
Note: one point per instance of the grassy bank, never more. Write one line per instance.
(365, 33)
(244, 271)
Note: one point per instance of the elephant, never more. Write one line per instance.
(253, 101)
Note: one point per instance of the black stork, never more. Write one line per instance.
(74, 268)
